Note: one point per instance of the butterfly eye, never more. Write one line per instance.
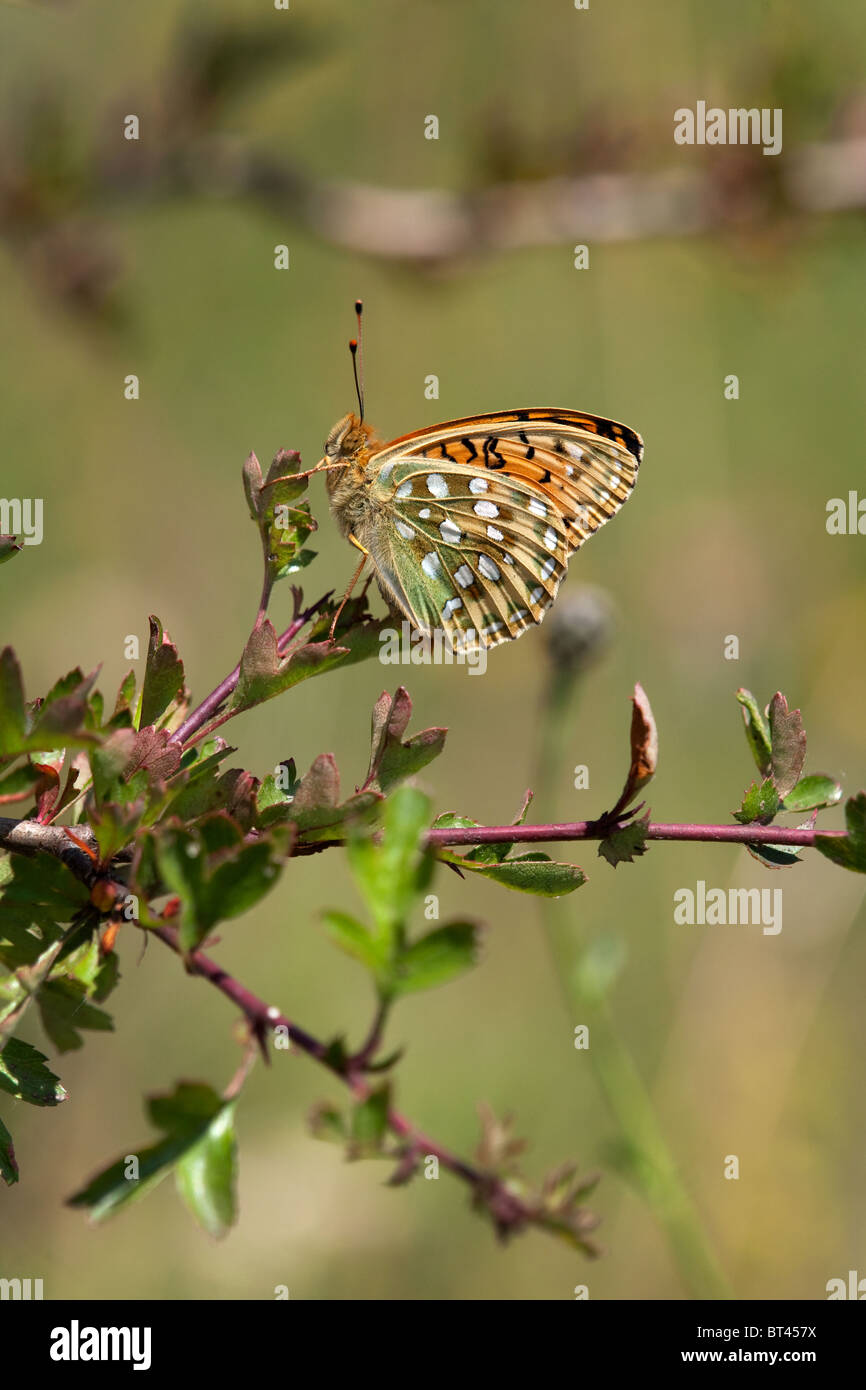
(335, 440)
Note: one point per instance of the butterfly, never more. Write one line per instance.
(469, 525)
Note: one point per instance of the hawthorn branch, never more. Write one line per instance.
(264, 1018)
(29, 836)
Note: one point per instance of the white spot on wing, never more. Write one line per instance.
(385, 471)
(403, 530)
(405, 489)
(449, 532)
(537, 508)
(486, 509)
(451, 607)
(537, 595)
(436, 485)
(464, 576)
(548, 568)
(494, 534)
(424, 513)
(477, 484)
(488, 569)
(432, 566)
(550, 539)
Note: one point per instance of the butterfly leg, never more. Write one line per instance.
(355, 577)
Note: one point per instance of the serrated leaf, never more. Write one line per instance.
(757, 733)
(41, 893)
(25, 1075)
(391, 760)
(265, 675)
(206, 1175)
(760, 803)
(850, 852)
(185, 1116)
(210, 893)
(163, 675)
(63, 1009)
(813, 793)
(624, 845)
(440, 956)
(788, 742)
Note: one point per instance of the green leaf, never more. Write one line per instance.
(623, 846)
(24, 1075)
(185, 1116)
(64, 1009)
(391, 760)
(757, 733)
(59, 718)
(108, 763)
(850, 852)
(274, 798)
(12, 725)
(264, 674)
(284, 523)
(354, 938)
(41, 893)
(775, 856)
(370, 1122)
(326, 1121)
(211, 892)
(440, 956)
(206, 1175)
(163, 675)
(8, 1162)
(788, 740)
(760, 803)
(390, 873)
(813, 794)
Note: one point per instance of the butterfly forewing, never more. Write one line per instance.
(482, 514)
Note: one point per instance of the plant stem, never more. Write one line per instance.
(653, 1170)
(218, 696)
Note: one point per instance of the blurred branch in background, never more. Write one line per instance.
(58, 189)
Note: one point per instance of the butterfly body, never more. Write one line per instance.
(469, 525)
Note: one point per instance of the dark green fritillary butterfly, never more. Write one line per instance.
(469, 525)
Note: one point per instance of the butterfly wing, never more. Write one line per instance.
(473, 522)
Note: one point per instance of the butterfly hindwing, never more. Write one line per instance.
(476, 519)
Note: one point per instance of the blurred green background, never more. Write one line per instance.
(119, 258)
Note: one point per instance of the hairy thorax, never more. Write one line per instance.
(347, 451)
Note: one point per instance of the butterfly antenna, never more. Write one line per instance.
(357, 351)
